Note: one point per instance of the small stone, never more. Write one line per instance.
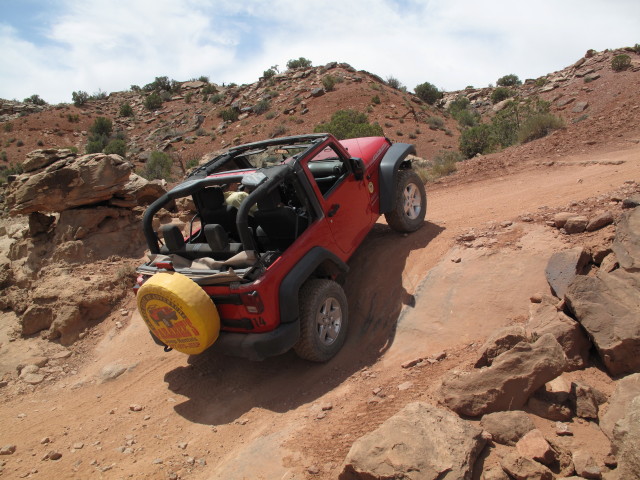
(313, 470)
(533, 445)
(610, 461)
(182, 445)
(456, 260)
(585, 465)
(376, 391)
(134, 407)
(147, 417)
(327, 406)
(78, 445)
(61, 355)
(321, 415)
(45, 440)
(32, 378)
(562, 429)
(536, 298)
(411, 363)
(52, 455)
(157, 461)
(405, 386)
(124, 313)
(8, 449)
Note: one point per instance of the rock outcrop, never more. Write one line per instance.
(508, 383)
(421, 442)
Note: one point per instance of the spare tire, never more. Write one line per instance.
(178, 312)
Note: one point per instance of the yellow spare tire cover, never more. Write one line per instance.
(178, 312)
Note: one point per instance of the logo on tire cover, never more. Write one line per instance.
(167, 320)
(370, 187)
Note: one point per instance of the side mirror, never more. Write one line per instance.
(357, 165)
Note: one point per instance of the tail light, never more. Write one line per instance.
(252, 302)
(164, 265)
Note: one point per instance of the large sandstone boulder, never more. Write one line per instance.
(626, 244)
(545, 318)
(507, 427)
(421, 442)
(563, 267)
(626, 390)
(607, 306)
(68, 183)
(138, 191)
(500, 341)
(626, 439)
(509, 382)
(38, 159)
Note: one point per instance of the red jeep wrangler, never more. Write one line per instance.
(258, 270)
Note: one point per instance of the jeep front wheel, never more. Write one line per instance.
(323, 320)
(410, 203)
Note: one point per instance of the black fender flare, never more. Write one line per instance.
(389, 166)
(290, 286)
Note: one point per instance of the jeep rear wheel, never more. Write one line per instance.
(410, 203)
(323, 320)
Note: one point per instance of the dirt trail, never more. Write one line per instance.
(213, 417)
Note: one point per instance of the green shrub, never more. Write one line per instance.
(501, 93)
(267, 74)
(119, 147)
(153, 101)
(428, 93)
(8, 127)
(126, 110)
(203, 78)
(135, 88)
(349, 124)
(270, 115)
(95, 146)
(209, 89)
(19, 143)
(509, 81)
(99, 95)
(435, 123)
(538, 126)
(188, 97)
(79, 98)
(328, 82)
(444, 163)
(35, 99)
(279, 131)
(158, 166)
(101, 126)
(73, 117)
(375, 99)
(636, 48)
(394, 83)
(216, 98)
(298, 63)
(229, 114)
(5, 172)
(478, 139)
(620, 62)
(262, 106)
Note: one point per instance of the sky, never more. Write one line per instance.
(55, 47)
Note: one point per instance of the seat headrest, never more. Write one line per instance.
(216, 236)
(173, 238)
(212, 197)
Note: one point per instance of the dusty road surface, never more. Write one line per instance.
(166, 415)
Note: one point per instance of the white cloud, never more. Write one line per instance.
(452, 44)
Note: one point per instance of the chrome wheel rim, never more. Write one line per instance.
(329, 321)
(412, 201)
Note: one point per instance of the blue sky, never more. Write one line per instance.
(54, 47)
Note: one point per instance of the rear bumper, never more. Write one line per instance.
(258, 346)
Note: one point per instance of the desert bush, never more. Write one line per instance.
(444, 163)
(460, 109)
(269, 73)
(79, 98)
(117, 146)
(99, 95)
(538, 126)
(6, 171)
(153, 101)
(375, 99)
(349, 124)
(510, 80)
(126, 110)
(216, 98)
(435, 123)
(73, 117)
(328, 82)
(209, 89)
(158, 166)
(501, 93)
(101, 126)
(262, 106)
(95, 146)
(188, 97)
(278, 131)
(428, 93)
(393, 82)
(135, 88)
(35, 99)
(636, 48)
(203, 78)
(8, 127)
(475, 140)
(298, 63)
(620, 62)
(229, 114)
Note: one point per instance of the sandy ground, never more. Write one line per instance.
(212, 417)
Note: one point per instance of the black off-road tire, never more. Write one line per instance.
(324, 318)
(410, 203)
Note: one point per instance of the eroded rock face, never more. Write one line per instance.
(421, 442)
(607, 306)
(626, 439)
(509, 382)
(499, 342)
(68, 183)
(563, 267)
(507, 427)
(545, 318)
(626, 244)
(626, 390)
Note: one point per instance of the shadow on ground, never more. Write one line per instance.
(221, 389)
